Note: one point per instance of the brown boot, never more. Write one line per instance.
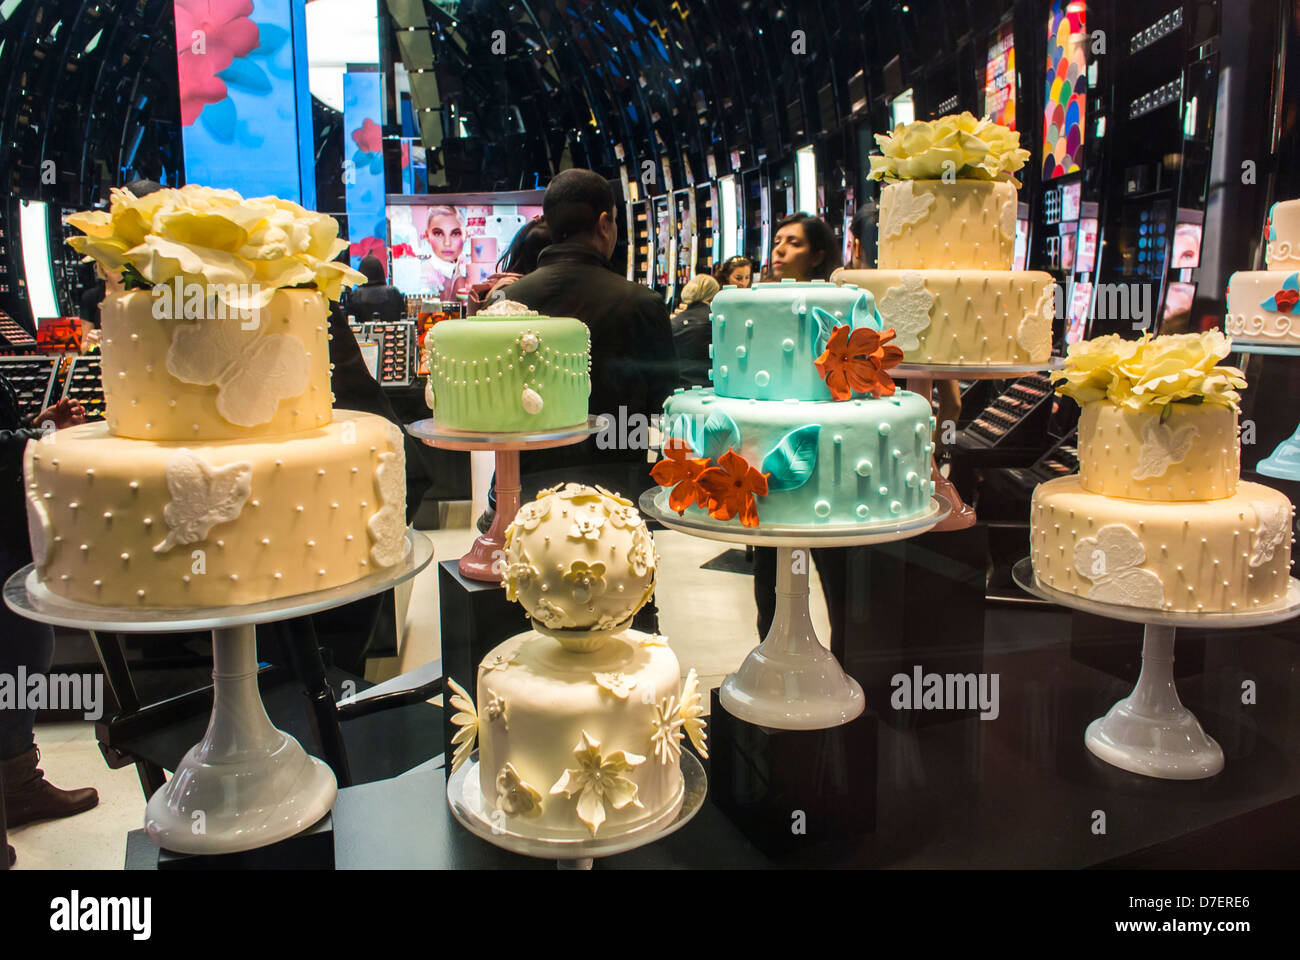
(29, 796)
(13, 855)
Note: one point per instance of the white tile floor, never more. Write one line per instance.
(708, 616)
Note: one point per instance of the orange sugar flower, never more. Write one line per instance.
(731, 487)
(681, 472)
(857, 361)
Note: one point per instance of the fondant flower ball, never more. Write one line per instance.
(579, 558)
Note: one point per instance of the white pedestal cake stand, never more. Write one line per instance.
(465, 797)
(790, 681)
(245, 784)
(480, 563)
(1150, 731)
(920, 377)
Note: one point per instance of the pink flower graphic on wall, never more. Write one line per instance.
(367, 137)
(368, 246)
(210, 35)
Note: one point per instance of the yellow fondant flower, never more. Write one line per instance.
(246, 249)
(1152, 372)
(588, 579)
(956, 146)
(598, 780)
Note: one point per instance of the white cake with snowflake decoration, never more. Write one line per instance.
(580, 722)
(947, 237)
(221, 474)
(1158, 516)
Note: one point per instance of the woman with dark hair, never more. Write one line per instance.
(804, 249)
(519, 259)
(735, 272)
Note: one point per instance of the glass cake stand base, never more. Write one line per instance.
(790, 681)
(484, 561)
(1150, 732)
(470, 808)
(245, 784)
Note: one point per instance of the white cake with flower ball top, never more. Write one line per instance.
(580, 721)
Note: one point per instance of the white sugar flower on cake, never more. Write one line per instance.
(598, 781)
(202, 497)
(465, 719)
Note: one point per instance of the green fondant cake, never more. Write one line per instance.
(509, 370)
(803, 426)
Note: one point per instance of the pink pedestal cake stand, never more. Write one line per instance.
(482, 560)
(920, 379)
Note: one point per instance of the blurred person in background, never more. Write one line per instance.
(376, 299)
(735, 272)
(25, 644)
(520, 259)
(693, 330)
(804, 248)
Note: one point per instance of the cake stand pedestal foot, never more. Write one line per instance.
(583, 863)
(245, 784)
(790, 681)
(485, 558)
(1150, 732)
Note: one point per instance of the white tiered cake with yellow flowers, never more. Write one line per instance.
(579, 721)
(221, 475)
(947, 236)
(1158, 516)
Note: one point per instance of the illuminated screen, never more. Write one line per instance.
(1064, 89)
(1000, 79)
(1187, 246)
(1071, 194)
(1067, 231)
(440, 251)
(1178, 298)
(663, 226)
(246, 121)
(1079, 298)
(1085, 259)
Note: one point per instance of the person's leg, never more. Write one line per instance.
(765, 588)
(832, 565)
(28, 796)
(28, 646)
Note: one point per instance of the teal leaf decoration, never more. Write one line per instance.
(823, 326)
(220, 120)
(791, 462)
(682, 427)
(246, 75)
(720, 435)
(865, 314)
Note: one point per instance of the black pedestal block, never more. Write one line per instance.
(916, 603)
(313, 849)
(790, 788)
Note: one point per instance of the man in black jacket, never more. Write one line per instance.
(633, 363)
